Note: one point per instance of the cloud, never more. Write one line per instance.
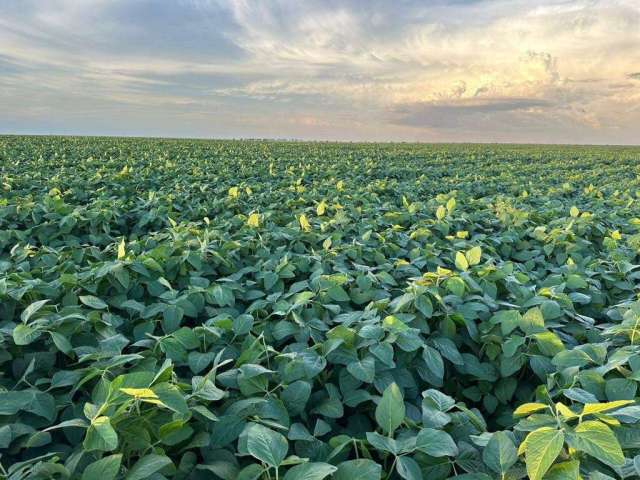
(354, 69)
(452, 115)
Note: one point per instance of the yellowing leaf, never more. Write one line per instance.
(121, 250)
(532, 321)
(451, 204)
(529, 408)
(474, 255)
(304, 223)
(441, 212)
(340, 185)
(574, 212)
(616, 235)
(564, 471)
(599, 441)
(541, 448)
(234, 192)
(590, 408)
(462, 234)
(254, 220)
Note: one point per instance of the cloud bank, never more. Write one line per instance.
(496, 70)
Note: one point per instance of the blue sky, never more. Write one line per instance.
(495, 70)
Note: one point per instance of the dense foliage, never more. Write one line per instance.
(216, 309)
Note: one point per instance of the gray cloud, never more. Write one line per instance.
(453, 115)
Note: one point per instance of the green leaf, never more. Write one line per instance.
(266, 445)
(171, 397)
(436, 443)
(364, 370)
(106, 468)
(24, 334)
(61, 342)
(171, 318)
(147, 466)
(408, 468)
(32, 309)
(310, 471)
(362, 469)
(433, 359)
(251, 472)
(424, 305)
(390, 410)
(93, 302)
(101, 436)
(456, 286)
(541, 448)
(597, 439)
(507, 319)
(224, 296)
(338, 294)
(295, 396)
(500, 454)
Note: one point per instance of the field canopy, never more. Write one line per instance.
(189, 309)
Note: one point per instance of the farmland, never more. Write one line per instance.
(191, 309)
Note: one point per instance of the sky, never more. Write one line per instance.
(553, 71)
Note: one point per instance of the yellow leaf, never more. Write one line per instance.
(254, 220)
(529, 408)
(321, 208)
(565, 411)
(340, 185)
(234, 192)
(461, 261)
(441, 212)
(616, 235)
(462, 234)
(139, 392)
(304, 223)
(590, 408)
(121, 250)
(443, 272)
(608, 420)
(574, 212)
